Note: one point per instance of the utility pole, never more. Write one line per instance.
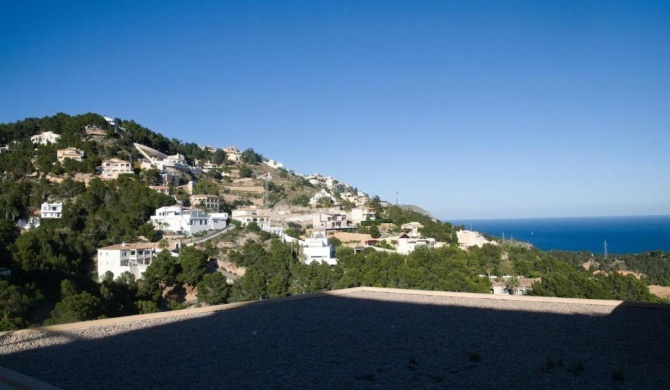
(396, 198)
(605, 249)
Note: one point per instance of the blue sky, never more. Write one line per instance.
(470, 109)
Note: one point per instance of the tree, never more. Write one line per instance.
(213, 289)
(245, 171)
(75, 308)
(251, 286)
(8, 234)
(15, 303)
(192, 263)
(512, 285)
(162, 272)
(149, 232)
(219, 157)
(249, 156)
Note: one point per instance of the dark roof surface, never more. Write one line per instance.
(362, 339)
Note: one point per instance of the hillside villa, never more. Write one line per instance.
(467, 238)
(330, 222)
(361, 214)
(45, 138)
(232, 154)
(161, 189)
(112, 168)
(407, 244)
(314, 200)
(71, 153)
(182, 220)
(273, 164)
(163, 162)
(316, 249)
(51, 210)
(210, 202)
(499, 285)
(246, 215)
(133, 258)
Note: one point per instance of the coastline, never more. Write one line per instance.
(623, 234)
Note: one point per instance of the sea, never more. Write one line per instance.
(630, 234)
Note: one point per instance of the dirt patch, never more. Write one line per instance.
(352, 239)
(228, 266)
(660, 291)
(254, 189)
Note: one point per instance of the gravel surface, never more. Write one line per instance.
(361, 340)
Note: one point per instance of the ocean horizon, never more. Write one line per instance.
(623, 234)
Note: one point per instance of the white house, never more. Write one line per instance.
(162, 189)
(232, 153)
(27, 224)
(47, 137)
(359, 199)
(407, 244)
(112, 168)
(4, 149)
(273, 164)
(316, 249)
(314, 200)
(412, 228)
(162, 161)
(326, 222)
(210, 202)
(499, 287)
(248, 214)
(51, 210)
(109, 120)
(180, 219)
(360, 214)
(71, 153)
(133, 258)
(467, 238)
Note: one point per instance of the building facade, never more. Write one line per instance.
(327, 222)
(361, 214)
(45, 138)
(71, 153)
(316, 249)
(210, 202)
(407, 244)
(120, 258)
(246, 215)
(51, 210)
(182, 220)
(111, 169)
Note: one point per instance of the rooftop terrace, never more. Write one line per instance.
(359, 338)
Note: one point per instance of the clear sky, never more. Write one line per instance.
(469, 109)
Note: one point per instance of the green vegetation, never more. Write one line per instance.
(53, 276)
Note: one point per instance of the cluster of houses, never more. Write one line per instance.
(203, 214)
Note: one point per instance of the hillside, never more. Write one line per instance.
(96, 182)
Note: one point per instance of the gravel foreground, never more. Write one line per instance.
(360, 340)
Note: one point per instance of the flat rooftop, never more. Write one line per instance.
(359, 338)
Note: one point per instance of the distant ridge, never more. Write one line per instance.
(416, 209)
